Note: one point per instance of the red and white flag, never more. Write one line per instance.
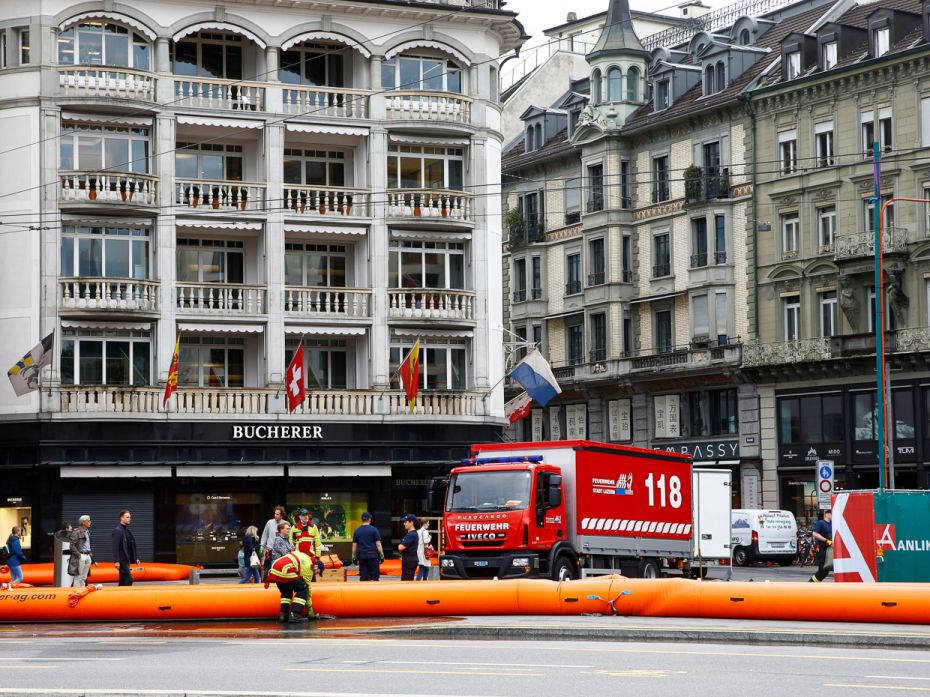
(294, 380)
(518, 407)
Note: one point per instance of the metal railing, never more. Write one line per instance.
(597, 278)
(784, 352)
(862, 244)
(660, 270)
(698, 260)
(572, 287)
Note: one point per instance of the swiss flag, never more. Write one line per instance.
(518, 408)
(294, 380)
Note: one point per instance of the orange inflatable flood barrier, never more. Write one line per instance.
(886, 602)
(44, 574)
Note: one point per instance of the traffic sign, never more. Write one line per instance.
(824, 483)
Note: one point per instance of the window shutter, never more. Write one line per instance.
(698, 157)
(541, 203)
(725, 151)
(925, 121)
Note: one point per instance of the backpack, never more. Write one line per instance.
(5, 554)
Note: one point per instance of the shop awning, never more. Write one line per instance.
(218, 225)
(327, 130)
(326, 229)
(230, 470)
(429, 140)
(359, 470)
(430, 236)
(112, 324)
(325, 330)
(206, 328)
(220, 26)
(219, 122)
(435, 333)
(85, 117)
(130, 470)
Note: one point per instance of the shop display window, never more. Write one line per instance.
(210, 526)
(337, 515)
(14, 511)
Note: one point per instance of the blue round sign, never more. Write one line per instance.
(825, 472)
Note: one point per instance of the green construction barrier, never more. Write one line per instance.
(902, 526)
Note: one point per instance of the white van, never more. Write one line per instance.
(761, 535)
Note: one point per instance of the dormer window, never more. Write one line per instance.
(709, 79)
(828, 54)
(632, 85)
(882, 38)
(534, 137)
(794, 64)
(663, 95)
(721, 77)
(715, 78)
(744, 38)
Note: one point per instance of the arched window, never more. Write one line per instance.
(614, 84)
(405, 72)
(744, 38)
(632, 84)
(104, 43)
(539, 136)
(721, 77)
(709, 79)
(596, 86)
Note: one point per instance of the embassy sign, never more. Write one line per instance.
(706, 450)
(299, 432)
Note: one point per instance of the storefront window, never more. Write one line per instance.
(799, 496)
(337, 515)
(865, 416)
(16, 511)
(903, 412)
(210, 526)
(811, 419)
(789, 417)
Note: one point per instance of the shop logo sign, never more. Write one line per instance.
(277, 433)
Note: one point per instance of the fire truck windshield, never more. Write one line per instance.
(488, 491)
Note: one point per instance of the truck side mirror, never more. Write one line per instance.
(555, 496)
(555, 480)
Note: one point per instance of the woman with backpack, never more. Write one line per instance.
(17, 558)
(250, 547)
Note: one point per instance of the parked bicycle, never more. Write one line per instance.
(807, 549)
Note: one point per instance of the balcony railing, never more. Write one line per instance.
(428, 106)
(597, 355)
(573, 288)
(519, 296)
(698, 260)
(598, 278)
(340, 403)
(221, 299)
(695, 355)
(109, 187)
(219, 195)
(111, 83)
(535, 293)
(862, 244)
(209, 93)
(119, 294)
(329, 303)
(432, 304)
(660, 270)
(801, 351)
(435, 404)
(330, 200)
(661, 192)
(435, 203)
(337, 102)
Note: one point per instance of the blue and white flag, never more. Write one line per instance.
(534, 373)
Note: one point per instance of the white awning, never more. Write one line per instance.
(339, 470)
(327, 330)
(128, 471)
(111, 324)
(106, 222)
(657, 297)
(326, 229)
(117, 120)
(221, 328)
(430, 236)
(426, 43)
(230, 470)
(221, 26)
(435, 333)
(219, 122)
(429, 140)
(115, 16)
(218, 225)
(326, 36)
(326, 130)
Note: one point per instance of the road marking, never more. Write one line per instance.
(495, 665)
(44, 692)
(415, 672)
(893, 677)
(853, 686)
(640, 673)
(28, 667)
(81, 660)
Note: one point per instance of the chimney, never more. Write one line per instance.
(572, 17)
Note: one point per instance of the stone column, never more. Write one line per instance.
(165, 244)
(164, 90)
(378, 243)
(274, 254)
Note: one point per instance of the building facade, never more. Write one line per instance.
(244, 178)
(855, 77)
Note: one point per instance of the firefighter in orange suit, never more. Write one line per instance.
(292, 574)
(305, 536)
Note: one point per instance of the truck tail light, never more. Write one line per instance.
(755, 537)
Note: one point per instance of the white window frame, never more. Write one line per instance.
(790, 233)
(3, 44)
(424, 152)
(829, 54)
(400, 347)
(882, 39)
(663, 88)
(885, 129)
(826, 223)
(788, 151)
(73, 134)
(824, 144)
(76, 233)
(445, 249)
(392, 65)
(210, 343)
(827, 303)
(328, 54)
(329, 347)
(132, 337)
(926, 195)
(208, 247)
(794, 64)
(328, 252)
(791, 310)
(866, 126)
(199, 150)
(327, 157)
(25, 47)
(74, 33)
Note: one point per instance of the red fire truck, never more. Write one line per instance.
(564, 509)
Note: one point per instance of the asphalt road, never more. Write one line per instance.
(408, 668)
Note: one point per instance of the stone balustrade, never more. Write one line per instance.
(111, 83)
(435, 404)
(862, 244)
(330, 201)
(221, 299)
(785, 352)
(119, 294)
(108, 187)
(327, 303)
(340, 403)
(433, 203)
(210, 93)
(431, 304)
(428, 106)
(219, 195)
(337, 102)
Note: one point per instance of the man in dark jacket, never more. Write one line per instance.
(124, 549)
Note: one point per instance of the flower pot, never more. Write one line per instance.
(322, 208)
(416, 211)
(445, 211)
(216, 202)
(92, 194)
(302, 205)
(122, 194)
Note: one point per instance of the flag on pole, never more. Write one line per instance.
(518, 407)
(535, 374)
(410, 375)
(24, 376)
(172, 385)
(295, 380)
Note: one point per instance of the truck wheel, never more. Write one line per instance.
(563, 569)
(648, 568)
(741, 556)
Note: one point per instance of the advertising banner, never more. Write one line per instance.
(854, 538)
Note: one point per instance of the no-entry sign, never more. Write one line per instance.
(824, 483)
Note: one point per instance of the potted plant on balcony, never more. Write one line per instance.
(416, 205)
(516, 227)
(723, 185)
(243, 197)
(692, 176)
(216, 198)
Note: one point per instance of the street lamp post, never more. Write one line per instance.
(878, 315)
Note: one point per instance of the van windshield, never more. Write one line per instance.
(488, 491)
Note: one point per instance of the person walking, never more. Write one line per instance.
(124, 548)
(424, 538)
(408, 548)
(250, 547)
(367, 551)
(823, 535)
(282, 543)
(292, 574)
(17, 557)
(269, 532)
(81, 555)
